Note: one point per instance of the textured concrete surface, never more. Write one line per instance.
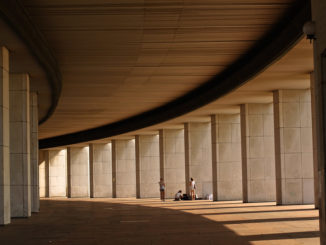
(77, 171)
(20, 171)
(35, 195)
(258, 157)
(124, 162)
(172, 161)
(57, 173)
(43, 167)
(314, 125)
(293, 144)
(198, 157)
(147, 165)
(318, 15)
(226, 149)
(4, 138)
(100, 166)
(131, 221)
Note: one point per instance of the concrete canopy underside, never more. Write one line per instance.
(30, 54)
(121, 59)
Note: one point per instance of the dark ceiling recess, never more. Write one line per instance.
(16, 16)
(284, 35)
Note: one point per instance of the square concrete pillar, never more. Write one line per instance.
(53, 173)
(258, 160)
(4, 138)
(198, 157)
(314, 139)
(124, 168)
(100, 169)
(20, 171)
(172, 160)
(226, 157)
(57, 168)
(147, 166)
(318, 8)
(34, 152)
(78, 171)
(293, 147)
(43, 165)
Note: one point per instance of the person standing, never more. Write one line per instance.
(162, 189)
(192, 189)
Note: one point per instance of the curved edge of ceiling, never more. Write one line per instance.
(16, 16)
(283, 36)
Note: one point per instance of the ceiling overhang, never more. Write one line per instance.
(30, 53)
(283, 36)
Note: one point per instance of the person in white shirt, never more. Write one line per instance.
(178, 196)
(192, 189)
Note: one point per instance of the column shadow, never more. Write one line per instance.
(106, 221)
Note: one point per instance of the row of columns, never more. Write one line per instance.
(263, 153)
(19, 188)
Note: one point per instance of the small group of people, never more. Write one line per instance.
(178, 196)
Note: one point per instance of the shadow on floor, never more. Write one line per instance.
(102, 222)
(231, 207)
(260, 211)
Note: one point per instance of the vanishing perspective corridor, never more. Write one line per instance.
(108, 106)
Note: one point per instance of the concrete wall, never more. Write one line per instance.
(293, 145)
(147, 166)
(4, 138)
(258, 157)
(57, 173)
(20, 172)
(226, 143)
(100, 170)
(172, 160)
(198, 158)
(124, 168)
(77, 171)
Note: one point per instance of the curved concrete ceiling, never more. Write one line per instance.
(121, 59)
(292, 71)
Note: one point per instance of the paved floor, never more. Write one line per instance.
(149, 221)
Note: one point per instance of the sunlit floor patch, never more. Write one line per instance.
(150, 221)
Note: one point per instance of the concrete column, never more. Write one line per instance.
(114, 169)
(226, 157)
(53, 173)
(77, 171)
(319, 17)
(293, 147)
(172, 160)
(258, 160)
(43, 165)
(4, 138)
(198, 152)
(34, 152)
(137, 155)
(314, 140)
(147, 166)
(100, 169)
(57, 168)
(124, 168)
(20, 172)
